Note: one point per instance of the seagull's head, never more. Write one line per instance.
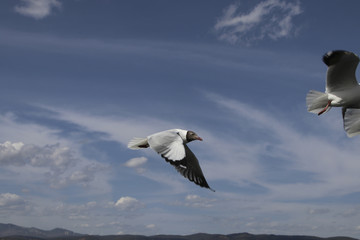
(191, 136)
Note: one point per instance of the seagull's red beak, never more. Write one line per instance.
(199, 138)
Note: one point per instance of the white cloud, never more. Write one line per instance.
(9, 153)
(27, 133)
(54, 156)
(117, 128)
(128, 204)
(150, 226)
(86, 174)
(192, 197)
(136, 162)
(13, 204)
(58, 165)
(196, 201)
(10, 200)
(37, 9)
(269, 18)
(42, 157)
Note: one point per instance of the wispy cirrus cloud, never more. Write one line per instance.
(37, 9)
(251, 163)
(268, 19)
(319, 167)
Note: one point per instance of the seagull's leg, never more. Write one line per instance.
(324, 110)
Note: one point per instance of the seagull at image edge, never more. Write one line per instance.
(342, 90)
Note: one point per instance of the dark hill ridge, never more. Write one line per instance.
(13, 232)
(203, 236)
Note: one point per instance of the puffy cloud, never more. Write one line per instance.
(9, 153)
(193, 200)
(86, 174)
(192, 197)
(59, 165)
(150, 226)
(269, 18)
(12, 204)
(128, 204)
(10, 200)
(54, 156)
(136, 162)
(37, 9)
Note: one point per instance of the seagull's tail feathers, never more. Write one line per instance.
(316, 101)
(138, 143)
(352, 122)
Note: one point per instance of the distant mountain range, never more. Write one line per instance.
(14, 232)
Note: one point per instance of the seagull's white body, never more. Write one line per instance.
(342, 89)
(171, 145)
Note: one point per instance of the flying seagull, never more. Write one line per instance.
(341, 90)
(171, 145)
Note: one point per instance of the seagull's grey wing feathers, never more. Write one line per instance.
(341, 70)
(189, 167)
(352, 121)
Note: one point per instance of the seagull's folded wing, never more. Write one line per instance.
(169, 144)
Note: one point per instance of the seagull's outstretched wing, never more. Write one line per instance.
(189, 167)
(352, 121)
(341, 70)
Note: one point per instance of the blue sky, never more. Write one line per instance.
(80, 78)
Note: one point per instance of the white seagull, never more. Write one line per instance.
(171, 145)
(342, 90)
